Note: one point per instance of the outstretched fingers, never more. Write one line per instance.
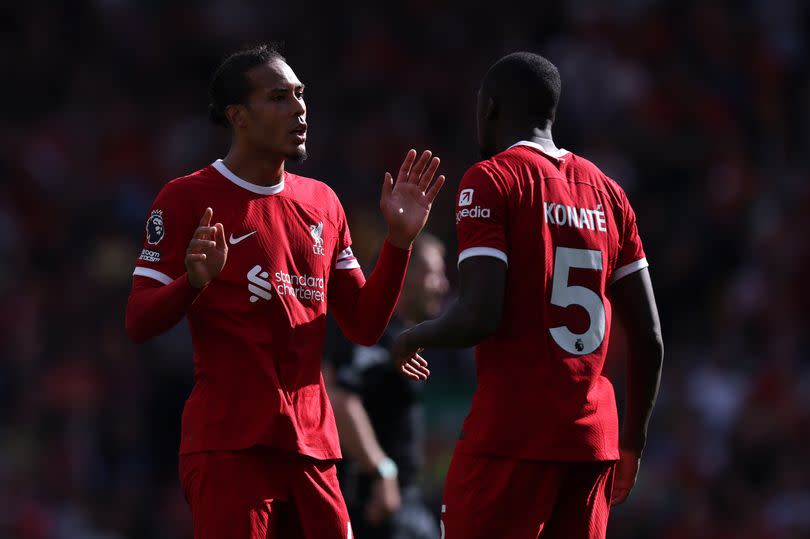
(419, 167)
(415, 367)
(405, 169)
(433, 192)
(427, 175)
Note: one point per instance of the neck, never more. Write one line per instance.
(538, 134)
(258, 168)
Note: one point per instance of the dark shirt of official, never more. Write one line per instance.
(393, 403)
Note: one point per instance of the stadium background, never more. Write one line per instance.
(699, 109)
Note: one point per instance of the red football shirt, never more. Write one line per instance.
(566, 232)
(258, 328)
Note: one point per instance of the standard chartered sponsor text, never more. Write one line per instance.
(300, 286)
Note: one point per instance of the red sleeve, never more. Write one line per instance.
(153, 308)
(481, 215)
(161, 292)
(168, 229)
(363, 308)
(631, 257)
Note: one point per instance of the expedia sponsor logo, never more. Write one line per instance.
(465, 197)
(473, 213)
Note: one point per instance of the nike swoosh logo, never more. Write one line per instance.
(234, 241)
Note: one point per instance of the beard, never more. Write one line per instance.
(299, 156)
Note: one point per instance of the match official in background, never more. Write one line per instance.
(379, 413)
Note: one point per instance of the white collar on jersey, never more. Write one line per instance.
(549, 148)
(252, 187)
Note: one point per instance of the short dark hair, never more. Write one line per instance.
(229, 85)
(526, 84)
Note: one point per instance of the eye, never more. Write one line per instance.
(299, 94)
(277, 97)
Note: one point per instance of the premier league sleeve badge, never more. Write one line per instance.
(155, 228)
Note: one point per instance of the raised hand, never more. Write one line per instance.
(406, 203)
(207, 251)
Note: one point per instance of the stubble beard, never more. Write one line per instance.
(299, 156)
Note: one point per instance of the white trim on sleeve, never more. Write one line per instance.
(152, 274)
(627, 269)
(347, 264)
(482, 251)
(346, 260)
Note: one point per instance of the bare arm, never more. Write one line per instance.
(473, 317)
(634, 302)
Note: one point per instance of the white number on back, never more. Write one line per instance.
(563, 295)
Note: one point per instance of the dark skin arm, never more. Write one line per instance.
(634, 303)
(474, 316)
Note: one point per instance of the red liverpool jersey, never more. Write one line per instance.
(258, 328)
(566, 232)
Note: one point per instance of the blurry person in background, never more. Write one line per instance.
(247, 251)
(379, 413)
(548, 245)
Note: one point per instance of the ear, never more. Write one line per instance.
(236, 115)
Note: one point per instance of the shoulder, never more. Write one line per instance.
(315, 194)
(181, 189)
(311, 187)
(588, 171)
(486, 173)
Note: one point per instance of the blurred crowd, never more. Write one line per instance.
(699, 109)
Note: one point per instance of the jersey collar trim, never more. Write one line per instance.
(547, 149)
(252, 187)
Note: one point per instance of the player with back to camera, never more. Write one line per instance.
(252, 255)
(548, 246)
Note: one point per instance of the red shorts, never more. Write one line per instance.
(522, 499)
(263, 493)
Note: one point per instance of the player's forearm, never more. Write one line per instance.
(461, 326)
(646, 359)
(364, 313)
(153, 308)
(356, 433)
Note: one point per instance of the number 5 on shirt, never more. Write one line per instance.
(563, 295)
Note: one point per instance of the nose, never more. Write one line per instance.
(300, 108)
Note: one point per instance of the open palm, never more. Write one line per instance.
(406, 204)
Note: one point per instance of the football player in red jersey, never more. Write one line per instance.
(548, 246)
(252, 255)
